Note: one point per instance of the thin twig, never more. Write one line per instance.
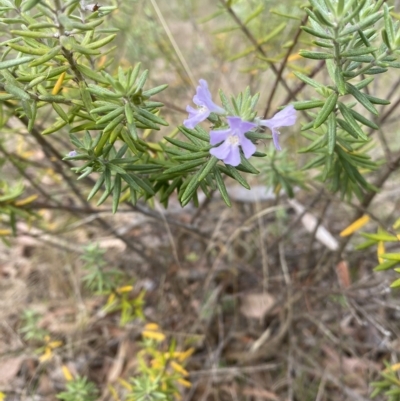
(283, 66)
(257, 46)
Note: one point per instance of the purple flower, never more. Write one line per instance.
(283, 118)
(231, 139)
(72, 153)
(205, 106)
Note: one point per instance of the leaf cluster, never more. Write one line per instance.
(348, 34)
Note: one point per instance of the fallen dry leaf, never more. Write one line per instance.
(9, 369)
(342, 271)
(256, 306)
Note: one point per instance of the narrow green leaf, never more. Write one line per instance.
(331, 133)
(318, 34)
(358, 52)
(363, 120)
(391, 256)
(190, 189)
(340, 82)
(388, 264)
(326, 110)
(308, 80)
(192, 156)
(14, 62)
(103, 92)
(348, 116)
(221, 186)
(92, 74)
(388, 25)
(32, 34)
(207, 168)
(246, 166)
(235, 175)
(181, 144)
(96, 187)
(366, 22)
(308, 104)
(155, 90)
(129, 113)
(395, 284)
(110, 116)
(184, 167)
(101, 42)
(60, 111)
(143, 184)
(365, 82)
(83, 49)
(152, 117)
(362, 98)
(16, 91)
(316, 144)
(386, 237)
(39, 51)
(376, 100)
(141, 81)
(48, 56)
(315, 55)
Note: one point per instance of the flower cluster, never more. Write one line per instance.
(231, 139)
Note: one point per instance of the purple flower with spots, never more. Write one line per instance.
(283, 118)
(231, 138)
(206, 106)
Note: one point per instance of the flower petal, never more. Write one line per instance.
(283, 118)
(196, 116)
(203, 98)
(233, 157)
(248, 147)
(275, 138)
(221, 151)
(219, 136)
(239, 126)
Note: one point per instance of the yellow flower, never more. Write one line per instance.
(353, 227)
(180, 369)
(154, 335)
(46, 356)
(184, 382)
(152, 327)
(67, 374)
(126, 288)
(380, 251)
(182, 356)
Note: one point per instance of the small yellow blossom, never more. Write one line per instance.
(58, 84)
(126, 288)
(152, 327)
(182, 356)
(67, 374)
(125, 384)
(178, 368)
(380, 251)
(353, 227)
(25, 201)
(154, 335)
(47, 355)
(393, 368)
(184, 383)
